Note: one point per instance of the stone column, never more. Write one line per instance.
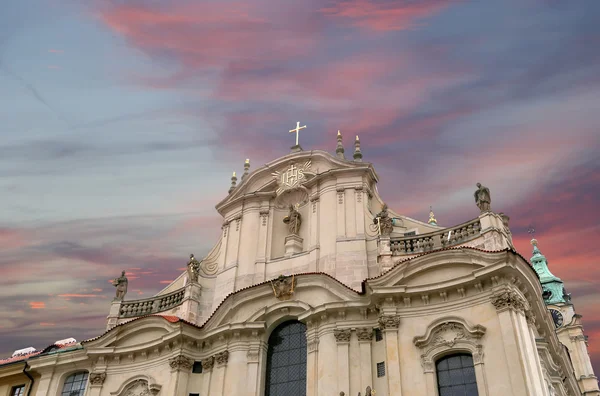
(113, 315)
(181, 367)
(389, 324)
(236, 382)
(312, 359)
(253, 357)
(365, 337)
(207, 368)
(218, 379)
(509, 306)
(586, 378)
(342, 338)
(96, 380)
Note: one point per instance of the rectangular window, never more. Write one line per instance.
(380, 369)
(194, 394)
(18, 390)
(197, 368)
(410, 233)
(378, 335)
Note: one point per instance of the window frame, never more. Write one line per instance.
(448, 356)
(68, 375)
(17, 387)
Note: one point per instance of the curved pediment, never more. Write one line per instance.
(438, 267)
(137, 332)
(314, 165)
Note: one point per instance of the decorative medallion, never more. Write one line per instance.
(283, 287)
(292, 177)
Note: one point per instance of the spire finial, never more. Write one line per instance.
(357, 152)
(432, 219)
(246, 168)
(339, 150)
(233, 182)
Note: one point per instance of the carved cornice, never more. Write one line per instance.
(364, 334)
(208, 363)
(222, 358)
(509, 299)
(97, 379)
(181, 363)
(389, 322)
(342, 335)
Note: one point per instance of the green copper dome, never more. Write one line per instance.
(553, 288)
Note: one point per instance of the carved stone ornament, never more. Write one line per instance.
(181, 363)
(140, 388)
(283, 287)
(342, 335)
(364, 334)
(193, 269)
(446, 335)
(222, 358)
(97, 378)
(208, 363)
(389, 321)
(509, 300)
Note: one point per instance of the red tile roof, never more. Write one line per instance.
(26, 356)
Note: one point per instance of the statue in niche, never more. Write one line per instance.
(193, 269)
(293, 220)
(121, 284)
(483, 198)
(384, 222)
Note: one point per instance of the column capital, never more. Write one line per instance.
(208, 363)
(389, 322)
(181, 363)
(509, 299)
(364, 334)
(222, 358)
(97, 379)
(342, 335)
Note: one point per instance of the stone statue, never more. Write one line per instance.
(483, 198)
(384, 222)
(293, 220)
(368, 391)
(193, 269)
(121, 284)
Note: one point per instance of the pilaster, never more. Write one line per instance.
(96, 381)
(365, 337)
(218, 379)
(181, 367)
(255, 354)
(261, 247)
(341, 212)
(313, 243)
(327, 372)
(342, 339)
(207, 369)
(389, 325)
(191, 301)
(312, 359)
(360, 211)
(113, 315)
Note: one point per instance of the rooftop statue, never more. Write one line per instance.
(193, 269)
(121, 284)
(483, 198)
(293, 220)
(384, 221)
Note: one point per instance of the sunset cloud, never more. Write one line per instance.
(37, 305)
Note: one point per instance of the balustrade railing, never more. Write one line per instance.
(151, 305)
(435, 240)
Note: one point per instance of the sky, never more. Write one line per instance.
(122, 121)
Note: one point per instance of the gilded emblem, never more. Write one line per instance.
(292, 177)
(283, 287)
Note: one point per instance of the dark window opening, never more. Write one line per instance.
(18, 390)
(410, 233)
(380, 369)
(75, 384)
(456, 376)
(197, 368)
(378, 335)
(286, 361)
(194, 394)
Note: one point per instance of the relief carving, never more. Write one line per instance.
(342, 335)
(389, 321)
(97, 378)
(222, 358)
(181, 363)
(509, 299)
(364, 334)
(283, 287)
(208, 363)
(141, 388)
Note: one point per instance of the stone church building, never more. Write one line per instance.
(315, 287)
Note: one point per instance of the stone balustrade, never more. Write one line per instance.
(436, 240)
(151, 305)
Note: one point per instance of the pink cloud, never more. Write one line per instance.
(165, 282)
(56, 51)
(384, 16)
(12, 238)
(37, 305)
(46, 324)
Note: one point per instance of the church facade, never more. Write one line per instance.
(316, 288)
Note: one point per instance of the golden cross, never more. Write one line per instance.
(298, 128)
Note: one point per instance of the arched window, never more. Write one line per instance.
(456, 375)
(75, 384)
(286, 361)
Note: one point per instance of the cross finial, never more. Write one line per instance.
(297, 129)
